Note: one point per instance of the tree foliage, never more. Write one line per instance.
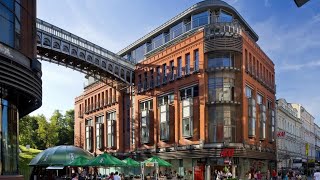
(41, 134)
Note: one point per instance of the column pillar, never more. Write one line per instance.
(233, 171)
(208, 172)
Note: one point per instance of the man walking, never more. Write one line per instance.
(316, 175)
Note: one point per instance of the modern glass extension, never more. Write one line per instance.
(186, 25)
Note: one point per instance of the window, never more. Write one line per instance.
(187, 119)
(139, 83)
(89, 134)
(262, 118)
(187, 68)
(158, 76)
(200, 19)
(248, 92)
(220, 60)
(189, 92)
(166, 99)
(145, 107)
(164, 72)
(176, 30)
(111, 123)
(221, 88)
(144, 126)
(225, 17)
(196, 60)
(138, 54)
(222, 124)
(259, 99)
(272, 125)
(157, 41)
(251, 117)
(171, 75)
(179, 67)
(164, 122)
(145, 84)
(151, 78)
(7, 23)
(99, 132)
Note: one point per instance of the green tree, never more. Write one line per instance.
(43, 132)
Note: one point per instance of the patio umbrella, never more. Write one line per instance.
(131, 163)
(78, 162)
(105, 160)
(58, 156)
(156, 159)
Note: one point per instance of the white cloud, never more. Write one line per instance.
(311, 64)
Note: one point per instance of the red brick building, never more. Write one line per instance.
(203, 90)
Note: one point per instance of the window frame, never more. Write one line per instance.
(187, 119)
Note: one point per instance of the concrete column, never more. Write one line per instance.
(233, 171)
(208, 172)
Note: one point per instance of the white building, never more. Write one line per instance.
(289, 142)
(307, 132)
(317, 134)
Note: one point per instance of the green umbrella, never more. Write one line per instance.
(78, 162)
(105, 160)
(131, 163)
(156, 159)
(58, 156)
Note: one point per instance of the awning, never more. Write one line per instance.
(55, 167)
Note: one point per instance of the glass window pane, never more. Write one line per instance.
(7, 32)
(200, 19)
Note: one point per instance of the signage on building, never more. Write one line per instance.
(227, 153)
(149, 164)
(281, 134)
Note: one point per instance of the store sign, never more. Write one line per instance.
(227, 153)
(281, 134)
(149, 164)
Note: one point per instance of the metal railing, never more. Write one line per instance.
(76, 40)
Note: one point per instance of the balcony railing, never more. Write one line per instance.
(223, 29)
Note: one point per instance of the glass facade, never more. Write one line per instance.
(222, 123)
(220, 60)
(200, 19)
(10, 23)
(221, 87)
(9, 137)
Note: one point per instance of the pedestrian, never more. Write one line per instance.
(116, 176)
(74, 176)
(259, 175)
(274, 174)
(316, 175)
(268, 176)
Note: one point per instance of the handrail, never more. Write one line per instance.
(67, 36)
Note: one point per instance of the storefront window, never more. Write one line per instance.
(222, 124)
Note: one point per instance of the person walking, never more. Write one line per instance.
(274, 174)
(316, 175)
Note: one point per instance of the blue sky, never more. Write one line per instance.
(289, 35)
